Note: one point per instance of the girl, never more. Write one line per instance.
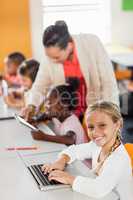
(59, 105)
(27, 72)
(110, 162)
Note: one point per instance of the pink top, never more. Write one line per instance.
(72, 123)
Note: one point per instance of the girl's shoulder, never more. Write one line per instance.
(121, 155)
(122, 151)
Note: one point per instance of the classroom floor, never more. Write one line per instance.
(127, 133)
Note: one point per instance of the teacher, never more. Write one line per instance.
(80, 56)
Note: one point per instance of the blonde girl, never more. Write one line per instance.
(110, 161)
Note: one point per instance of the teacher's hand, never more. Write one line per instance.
(28, 112)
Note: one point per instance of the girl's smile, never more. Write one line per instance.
(101, 128)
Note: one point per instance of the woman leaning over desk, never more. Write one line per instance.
(81, 56)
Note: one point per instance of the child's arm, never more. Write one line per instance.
(40, 118)
(57, 165)
(67, 139)
(70, 154)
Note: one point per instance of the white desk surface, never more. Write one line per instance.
(124, 59)
(120, 54)
(7, 154)
(13, 134)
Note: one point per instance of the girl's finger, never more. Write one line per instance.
(45, 167)
(55, 173)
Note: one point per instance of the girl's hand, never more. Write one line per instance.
(38, 135)
(62, 177)
(58, 165)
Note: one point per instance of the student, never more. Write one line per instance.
(59, 107)
(12, 62)
(110, 162)
(82, 56)
(27, 72)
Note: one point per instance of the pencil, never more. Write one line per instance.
(21, 148)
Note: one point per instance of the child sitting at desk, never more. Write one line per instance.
(27, 71)
(12, 63)
(60, 103)
(111, 164)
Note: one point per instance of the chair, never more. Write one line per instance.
(129, 148)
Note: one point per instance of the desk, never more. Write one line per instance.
(14, 134)
(16, 181)
(120, 55)
(125, 60)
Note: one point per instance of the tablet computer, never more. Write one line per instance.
(42, 127)
(24, 122)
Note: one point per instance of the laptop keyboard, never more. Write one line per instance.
(40, 177)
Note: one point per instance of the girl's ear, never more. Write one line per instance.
(119, 124)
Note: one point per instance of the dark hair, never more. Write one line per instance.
(29, 68)
(67, 93)
(16, 57)
(57, 35)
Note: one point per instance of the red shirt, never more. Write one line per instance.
(72, 69)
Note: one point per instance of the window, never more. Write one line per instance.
(81, 16)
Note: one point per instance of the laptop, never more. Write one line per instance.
(42, 180)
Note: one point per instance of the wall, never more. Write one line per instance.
(14, 28)
(36, 19)
(122, 24)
